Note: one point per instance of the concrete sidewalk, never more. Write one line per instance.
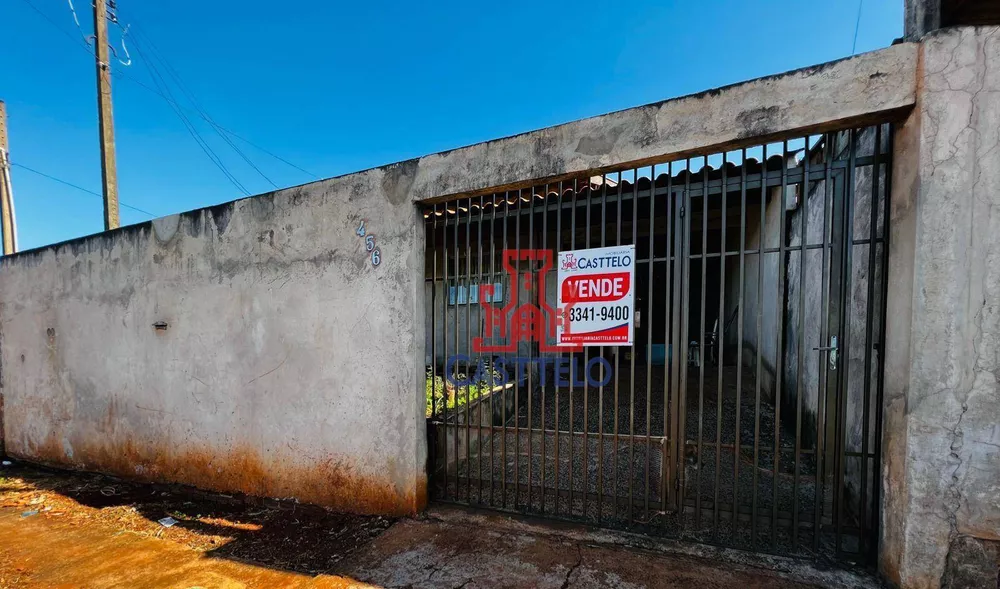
(78, 530)
(453, 548)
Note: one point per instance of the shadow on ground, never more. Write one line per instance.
(263, 532)
(79, 529)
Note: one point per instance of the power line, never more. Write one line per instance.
(218, 126)
(81, 188)
(113, 17)
(54, 24)
(86, 39)
(149, 88)
(170, 101)
(161, 84)
(194, 102)
(857, 27)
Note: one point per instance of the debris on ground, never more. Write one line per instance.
(100, 523)
(273, 533)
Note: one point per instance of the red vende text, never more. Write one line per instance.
(595, 288)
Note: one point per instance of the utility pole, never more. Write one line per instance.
(6, 198)
(109, 175)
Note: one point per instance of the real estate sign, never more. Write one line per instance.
(596, 296)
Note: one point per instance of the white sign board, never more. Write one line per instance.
(596, 294)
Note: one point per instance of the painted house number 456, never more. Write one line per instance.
(370, 247)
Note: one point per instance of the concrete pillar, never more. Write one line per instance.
(942, 423)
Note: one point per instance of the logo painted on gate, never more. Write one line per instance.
(522, 322)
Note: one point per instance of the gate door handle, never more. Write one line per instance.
(834, 350)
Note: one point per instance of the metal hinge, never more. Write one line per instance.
(682, 212)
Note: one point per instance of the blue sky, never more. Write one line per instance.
(335, 87)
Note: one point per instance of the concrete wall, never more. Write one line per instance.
(867, 87)
(289, 365)
(942, 430)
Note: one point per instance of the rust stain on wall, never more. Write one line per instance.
(1, 424)
(330, 482)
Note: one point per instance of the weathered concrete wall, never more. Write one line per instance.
(863, 88)
(942, 431)
(289, 365)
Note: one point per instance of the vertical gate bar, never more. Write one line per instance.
(701, 340)
(822, 392)
(780, 344)
(835, 417)
(543, 380)
(503, 406)
(760, 328)
(445, 299)
(555, 257)
(738, 446)
(468, 350)
(676, 445)
(572, 358)
(600, 351)
(493, 383)
(614, 373)
(839, 243)
(836, 328)
(845, 332)
(667, 338)
(869, 342)
(533, 272)
(516, 288)
(458, 289)
(803, 241)
(631, 402)
(649, 342)
(479, 330)
(720, 336)
(433, 416)
(880, 370)
(685, 320)
(586, 379)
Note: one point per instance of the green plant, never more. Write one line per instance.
(443, 396)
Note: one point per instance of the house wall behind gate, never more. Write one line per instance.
(288, 366)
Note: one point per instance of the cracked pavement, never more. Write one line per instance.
(435, 554)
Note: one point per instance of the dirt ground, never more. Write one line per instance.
(60, 529)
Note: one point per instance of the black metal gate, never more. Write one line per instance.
(748, 411)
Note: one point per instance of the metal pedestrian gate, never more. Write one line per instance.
(748, 411)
